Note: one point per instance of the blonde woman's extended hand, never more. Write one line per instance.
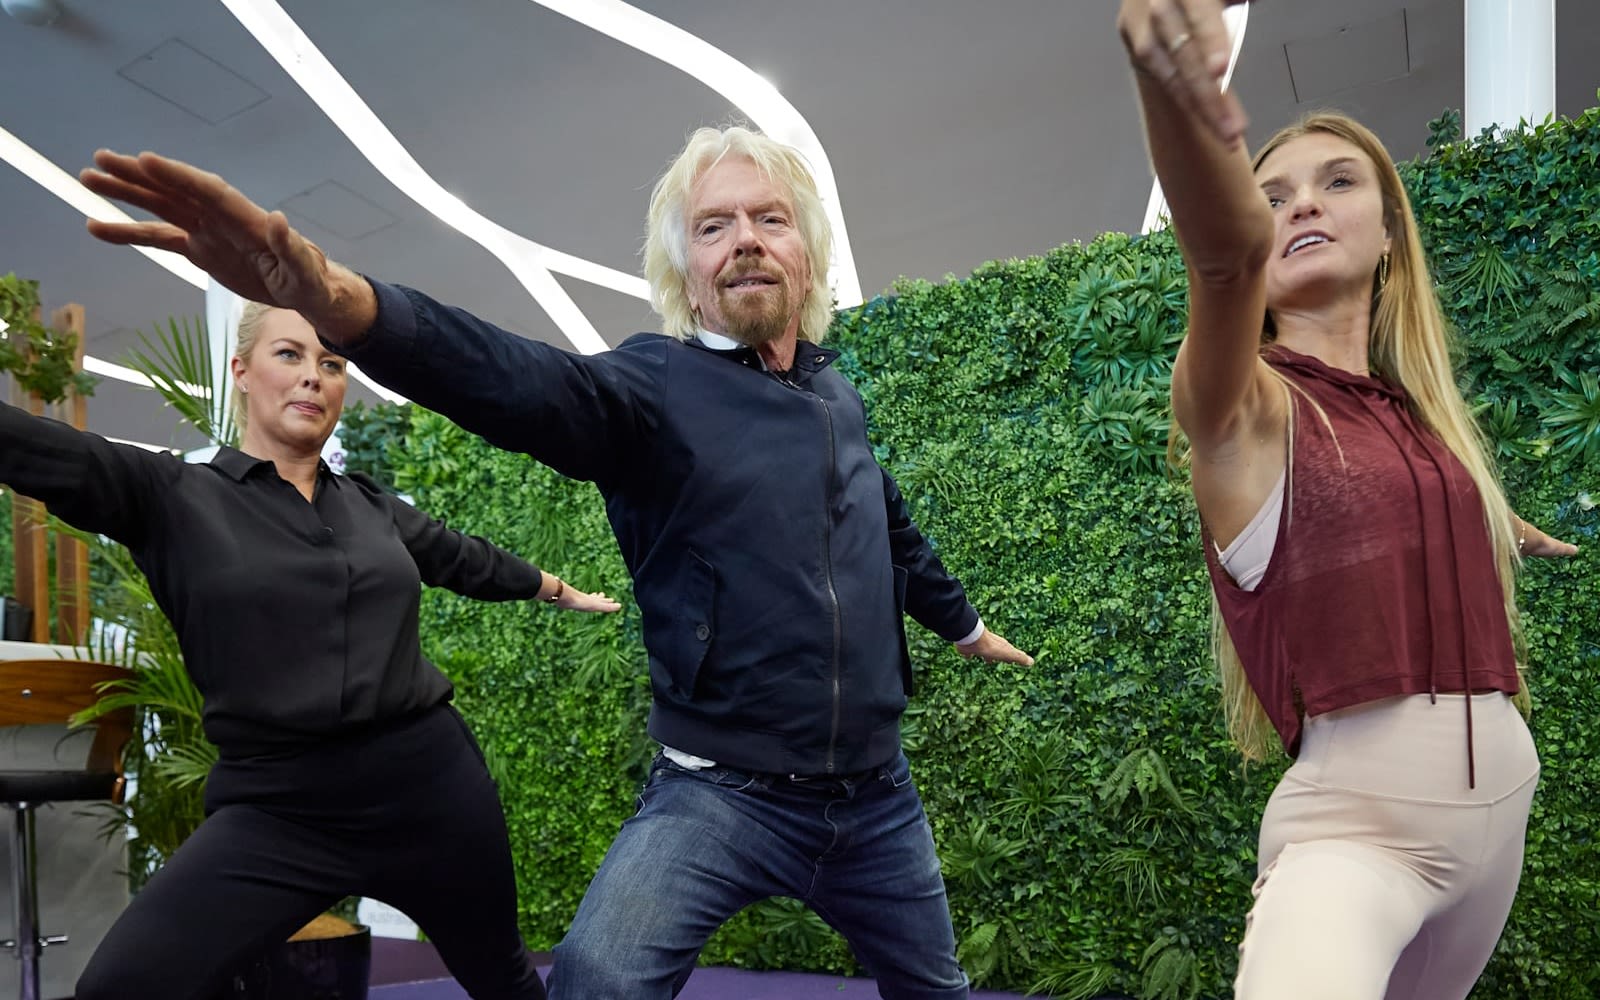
(1183, 44)
(571, 598)
(1535, 544)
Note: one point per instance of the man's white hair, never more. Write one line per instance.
(666, 245)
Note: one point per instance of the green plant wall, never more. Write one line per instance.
(1097, 830)
(557, 699)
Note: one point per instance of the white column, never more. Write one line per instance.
(1511, 63)
(223, 309)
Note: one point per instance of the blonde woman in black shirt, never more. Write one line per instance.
(294, 593)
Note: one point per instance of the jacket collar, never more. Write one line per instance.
(809, 358)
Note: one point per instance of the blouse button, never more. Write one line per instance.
(702, 632)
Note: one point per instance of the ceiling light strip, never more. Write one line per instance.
(531, 263)
(107, 369)
(1236, 18)
(744, 88)
(66, 187)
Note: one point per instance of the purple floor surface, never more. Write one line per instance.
(705, 984)
(394, 963)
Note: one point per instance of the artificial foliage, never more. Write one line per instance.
(1096, 828)
(366, 434)
(557, 699)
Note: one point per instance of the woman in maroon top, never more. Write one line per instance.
(1360, 546)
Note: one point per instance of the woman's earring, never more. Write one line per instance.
(1383, 270)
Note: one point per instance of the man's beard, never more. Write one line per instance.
(758, 319)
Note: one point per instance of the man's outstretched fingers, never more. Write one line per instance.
(160, 235)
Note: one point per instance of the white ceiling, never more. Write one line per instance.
(959, 130)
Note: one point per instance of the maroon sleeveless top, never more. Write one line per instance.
(1382, 580)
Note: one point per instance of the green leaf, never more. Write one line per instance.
(177, 360)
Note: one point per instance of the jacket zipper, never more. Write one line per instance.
(827, 570)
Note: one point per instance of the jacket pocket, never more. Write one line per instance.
(902, 577)
(696, 626)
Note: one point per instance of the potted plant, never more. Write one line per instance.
(40, 360)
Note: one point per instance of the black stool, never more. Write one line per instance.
(44, 692)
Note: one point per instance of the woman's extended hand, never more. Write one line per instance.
(571, 598)
(1535, 544)
(1183, 45)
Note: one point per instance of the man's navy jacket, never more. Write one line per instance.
(771, 555)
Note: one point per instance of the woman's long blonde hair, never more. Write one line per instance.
(1410, 346)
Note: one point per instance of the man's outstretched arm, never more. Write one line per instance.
(585, 417)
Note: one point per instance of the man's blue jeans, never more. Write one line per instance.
(705, 844)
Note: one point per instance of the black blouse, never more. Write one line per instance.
(296, 619)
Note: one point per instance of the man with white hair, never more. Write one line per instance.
(772, 556)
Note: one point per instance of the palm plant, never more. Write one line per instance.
(178, 363)
(170, 760)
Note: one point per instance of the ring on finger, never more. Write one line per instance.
(1179, 42)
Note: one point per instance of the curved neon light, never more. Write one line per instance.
(746, 89)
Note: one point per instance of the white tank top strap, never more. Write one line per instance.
(1247, 556)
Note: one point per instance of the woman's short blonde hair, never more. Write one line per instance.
(249, 329)
(666, 244)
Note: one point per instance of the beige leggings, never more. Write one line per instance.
(1382, 875)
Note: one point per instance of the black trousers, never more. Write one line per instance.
(405, 813)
